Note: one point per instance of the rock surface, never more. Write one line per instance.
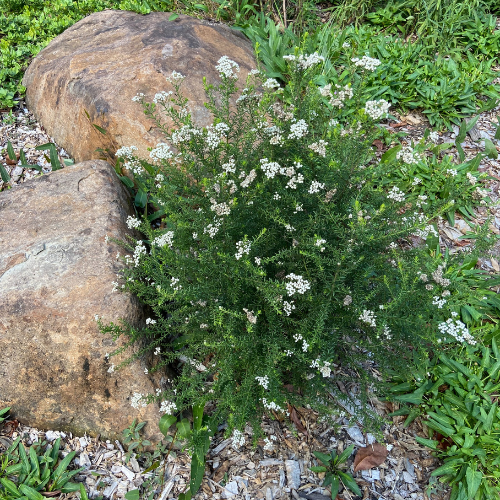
(55, 275)
(105, 59)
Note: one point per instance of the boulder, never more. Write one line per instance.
(100, 63)
(56, 274)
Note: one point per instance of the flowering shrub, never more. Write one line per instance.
(271, 260)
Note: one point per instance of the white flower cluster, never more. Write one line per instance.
(248, 178)
(174, 284)
(439, 302)
(368, 317)
(175, 77)
(230, 166)
(162, 151)
(139, 250)
(305, 62)
(456, 329)
(242, 248)
(150, 321)
(162, 97)
(271, 405)
(238, 438)
(134, 166)
(298, 129)
(212, 229)
(452, 171)
(250, 316)
(408, 155)
(164, 239)
(437, 276)
(377, 109)
(263, 381)
(396, 194)
(297, 337)
(434, 137)
(168, 407)
(215, 134)
(479, 193)
(288, 307)
(315, 187)
(219, 208)
(269, 168)
(126, 152)
(185, 134)
(369, 63)
(132, 222)
(324, 369)
(227, 68)
(135, 400)
(337, 97)
(472, 180)
(138, 97)
(297, 284)
(319, 147)
(271, 83)
(424, 233)
(319, 243)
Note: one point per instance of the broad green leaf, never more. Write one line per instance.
(4, 174)
(10, 151)
(318, 469)
(103, 131)
(430, 443)
(198, 416)
(390, 154)
(9, 486)
(183, 428)
(197, 471)
(474, 479)
(152, 467)
(31, 493)
(166, 421)
(349, 482)
(127, 181)
(335, 487)
(173, 17)
(132, 495)
(447, 469)
(141, 198)
(323, 457)
(83, 493)
(490, 149)
(346, 454)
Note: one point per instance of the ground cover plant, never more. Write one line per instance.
(457, 395)
(37, 472)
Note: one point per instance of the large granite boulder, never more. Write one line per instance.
(105, 59)
(56, 274)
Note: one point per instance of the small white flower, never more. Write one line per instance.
(150, 321)
(368, 317)
(319, 147)
(136, 401)
(377, 109)
(297, 284)
(263, 381)
(238, 438)
(298, 129)
(168, 407)
(369, 63)
(227, 68)
(242, 248)
(271, 83)
(315, 187)
(396, 194)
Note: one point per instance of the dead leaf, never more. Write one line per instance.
(378, 144)
(369, 457)
(398, 125)
(294, 417)
(219, 473)
(495, 265)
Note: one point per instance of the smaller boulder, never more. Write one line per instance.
(56, 274)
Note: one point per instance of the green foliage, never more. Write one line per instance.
(457, 393)
(275, 253)
(428, 178)
(447, 88)
(334, 475)
(25, 475)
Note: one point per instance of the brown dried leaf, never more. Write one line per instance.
(294, 417)
(378, 144)
(369, 457)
